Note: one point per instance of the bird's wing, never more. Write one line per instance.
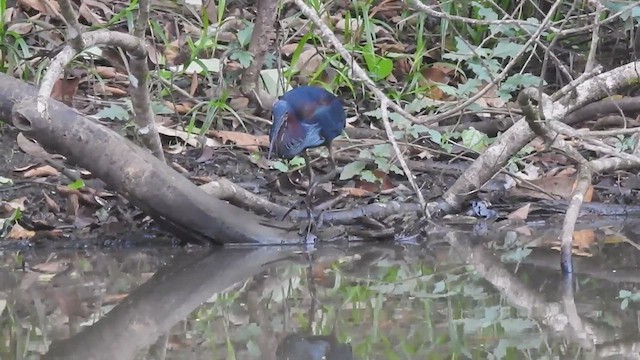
(299, 136)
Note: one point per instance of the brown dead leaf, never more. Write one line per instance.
(181, 108)
(171, 52)
(52, 206)
(520, 214)
(194, 84)
(106, 72)
(42, 171)
(211, 10)
(103, 89)
(66, 87)
(51, 267)
(239, 103)
(19, 233)
(17, 203)
(190, 139)
(22, 28)
(24, 168)
(560, 186)
(47, 7)
(73, 205)
(31, 147)
(106, 10)
(583, 239)
(154, 55)
(435, 74)
(356, 192)
(242, 140)
(309, 62)
(288, 49)
(87, 13)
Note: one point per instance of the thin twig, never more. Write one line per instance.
(595, 38)
(396, 148)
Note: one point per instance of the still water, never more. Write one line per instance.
(454, 298)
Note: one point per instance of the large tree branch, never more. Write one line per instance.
(132, 171)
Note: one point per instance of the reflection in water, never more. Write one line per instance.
(314, 347)
(418, 301)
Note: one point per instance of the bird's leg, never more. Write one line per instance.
(309, 190)
(332, 171)
(332, 161)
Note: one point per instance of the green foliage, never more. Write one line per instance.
(628, 296)
(5, 181)
(289, 165)
(76, 185)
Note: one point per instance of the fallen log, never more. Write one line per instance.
(134, 172)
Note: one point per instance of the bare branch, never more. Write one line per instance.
(142, 22)
(70, 18)
(595, 38)
(64, 57)
(139, 87)
(261, 37)
(138, 79)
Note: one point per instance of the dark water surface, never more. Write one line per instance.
(454, 298)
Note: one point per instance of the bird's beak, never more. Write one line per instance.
(278, 122)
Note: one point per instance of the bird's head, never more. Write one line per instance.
(279, 115)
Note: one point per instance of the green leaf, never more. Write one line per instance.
(244, 35)
(269, 82)
(485, 12)
(352, 169)
(505, 49)
(369, 176)
(514, 82)
(5, 181)
(435, 136)
(244, 57)
(76, 185)
(365, 154)
(382, 164)
(382, 150)
(439, 287)
(280, 166)
(160, 108)
(474, 139)
(419, 103)
(624, 304)
(114, 112)
(379, 66)
(484, 70)
(396, 169)
(297, 161)
(201, 66)
(624, 294)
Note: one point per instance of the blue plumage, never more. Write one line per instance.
(304, 118)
